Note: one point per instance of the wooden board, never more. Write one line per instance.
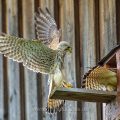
(88, 48)
(113, 108)
(79, 94)
(12, 72)
(68, 34)
(1, 74)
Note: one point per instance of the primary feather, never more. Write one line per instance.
(46, 28)
(32, 53)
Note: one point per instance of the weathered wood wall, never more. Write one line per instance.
(91, 26)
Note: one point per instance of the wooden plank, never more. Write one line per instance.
(110, 58)
(13, 68)
(5, 82)
(107, 26)
(78, 53)
(68, 34)
(113, 109)
(107, 29)
(118, 86)
(87, 37)
(79, 94)
(97, 40)
(1, 73)
(30, 77)
(118, 21)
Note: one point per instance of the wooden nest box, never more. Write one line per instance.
(112, 59)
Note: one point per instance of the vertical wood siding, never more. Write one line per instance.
(87, 35)
(91, 27)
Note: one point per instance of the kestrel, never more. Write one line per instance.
(100, 78)
(42, 55)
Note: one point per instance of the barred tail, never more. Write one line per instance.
(56, 105)
(100, 78)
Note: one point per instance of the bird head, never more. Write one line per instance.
(65, 47)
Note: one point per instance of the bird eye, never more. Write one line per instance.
(68, 48)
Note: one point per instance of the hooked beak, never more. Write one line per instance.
(70, 49)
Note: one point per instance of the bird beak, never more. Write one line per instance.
(70, 49)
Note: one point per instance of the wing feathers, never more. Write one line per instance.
(100, 78)
(32, 53)
(46, 27)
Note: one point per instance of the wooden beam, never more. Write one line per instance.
(113, 108)
(67, 23)
(87, 48)
(12, 71)
(80, 94)
(1, 74)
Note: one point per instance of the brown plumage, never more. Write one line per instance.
(56, 105)
(46, 28)
(100, 78)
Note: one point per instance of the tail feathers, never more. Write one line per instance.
(100, 78)
(56, 105)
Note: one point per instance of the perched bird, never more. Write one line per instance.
(104, 75)
(44, 54)
(100, 78)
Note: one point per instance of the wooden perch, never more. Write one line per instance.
(80, 94)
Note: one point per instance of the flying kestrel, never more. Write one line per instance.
(44, 54)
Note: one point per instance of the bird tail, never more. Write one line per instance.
(100, 78)
(56, 105)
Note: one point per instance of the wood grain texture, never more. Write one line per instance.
(1, 75)
(78, 53)
(87, 36)
(68, 34)
(90, 27)
(79, 94)
(30, 77)
(108, 38)
(118, 21)
(13, 68)
(5, 81)
(113, 108)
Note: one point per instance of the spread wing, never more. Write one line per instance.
(46, 28)
(100, 78)
(32, 53)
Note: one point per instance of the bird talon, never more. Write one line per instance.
(67, 85)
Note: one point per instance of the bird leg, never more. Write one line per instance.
(50, 82)
(66, 84)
